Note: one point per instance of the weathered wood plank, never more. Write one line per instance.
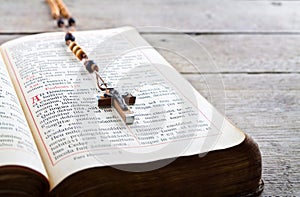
(185, 16)
(230, 53)
(267, 107)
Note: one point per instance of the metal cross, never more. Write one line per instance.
(111, 96)
(120, 102)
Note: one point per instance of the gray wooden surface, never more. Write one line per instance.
(248, 55)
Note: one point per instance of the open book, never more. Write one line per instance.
(55, 140)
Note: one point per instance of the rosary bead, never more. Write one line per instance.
(91, 66)
(71, 21)
(63, 9)
(72, 45)
(69, 36)
(75, 49)
(60, 23)
(80, 54)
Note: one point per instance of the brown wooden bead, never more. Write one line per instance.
(80, 54)
(54, 9)
(75, 49)
(72, 45)
(63, 9)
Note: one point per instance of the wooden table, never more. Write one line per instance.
(255, 45)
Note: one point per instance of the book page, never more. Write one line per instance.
(60, 98)
(17, 146)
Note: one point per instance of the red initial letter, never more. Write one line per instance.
(35, 99)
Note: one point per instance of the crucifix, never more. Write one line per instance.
(111, 96)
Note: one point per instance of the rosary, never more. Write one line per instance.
(111, 97)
